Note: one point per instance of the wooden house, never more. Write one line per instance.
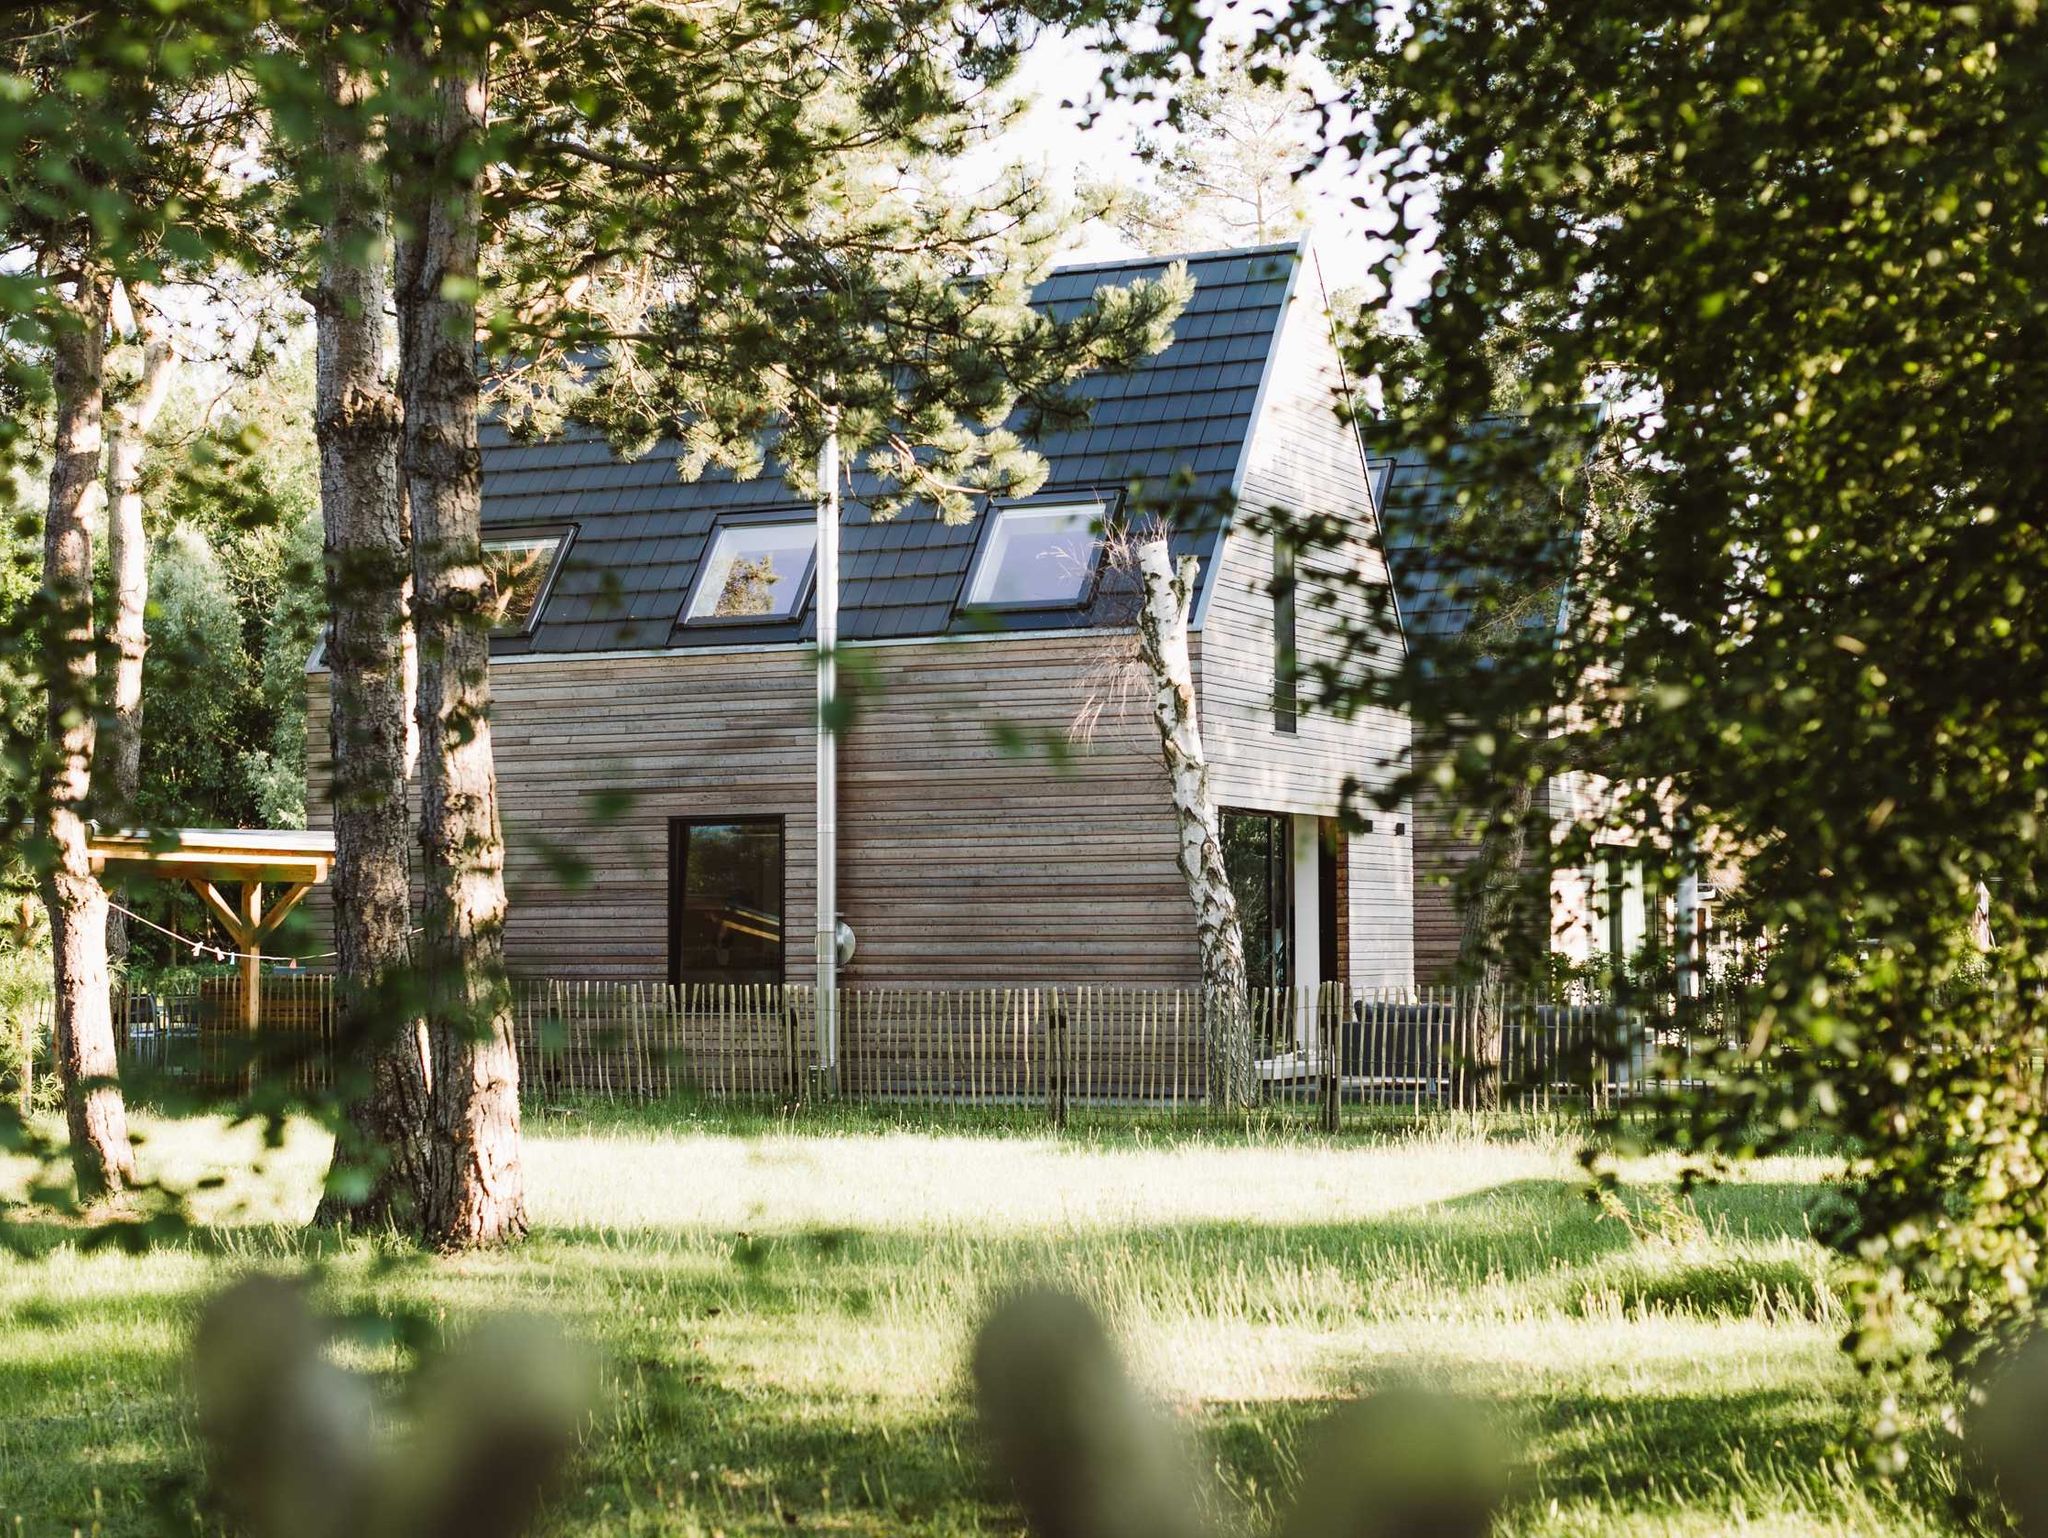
(1456, 616)
(655, 728)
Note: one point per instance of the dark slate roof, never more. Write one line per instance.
(640, 529)
(1449, 568)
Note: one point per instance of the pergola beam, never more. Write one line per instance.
(224, 912)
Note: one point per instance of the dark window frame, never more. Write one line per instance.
(1278, 942)
(768, 518)
(532, 533)
(1332, 850)
(1111, 503)
(678, 854)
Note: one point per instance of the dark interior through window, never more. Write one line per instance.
(1330, 916)
(1255, 852)
(725, 900)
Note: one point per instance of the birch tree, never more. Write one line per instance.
(119, 138)
(133, 415)
(1176, 711)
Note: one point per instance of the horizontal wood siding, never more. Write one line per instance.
(1381, 884)
(1305, 462)
(594, 756)
(975, 855)
(1441, 852)
(963, 858)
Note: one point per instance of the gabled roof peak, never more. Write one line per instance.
(1166, 258)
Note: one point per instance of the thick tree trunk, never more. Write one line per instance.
(380, 1156)
(1163, 646)
(101, 1158)
(475, 1191)
(1496, 890)
(118, 767)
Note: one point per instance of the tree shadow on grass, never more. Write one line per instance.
(1743, 1454)
(687, 1437)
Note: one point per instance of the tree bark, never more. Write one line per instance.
(119, 765)
(102, 1160)
(1163, 646)
(1495, 907)
(475, 1191)
(380, 1153)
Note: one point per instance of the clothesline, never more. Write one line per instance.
(208, 948)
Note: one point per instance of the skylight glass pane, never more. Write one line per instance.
(754, 571)
(1038, 557)
(518, 570)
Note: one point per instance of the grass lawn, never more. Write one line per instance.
(784, 1315)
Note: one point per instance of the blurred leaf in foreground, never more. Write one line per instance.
(1089, 1458)
(290, 1437)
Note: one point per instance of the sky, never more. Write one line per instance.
(1067, 128)
(1059, 82)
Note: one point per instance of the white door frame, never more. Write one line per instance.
(1305, 944)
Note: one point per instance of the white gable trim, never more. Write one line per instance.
(1248, 445)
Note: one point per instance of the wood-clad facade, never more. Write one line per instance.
(969, 853)
(1302, 463)
(979, 841)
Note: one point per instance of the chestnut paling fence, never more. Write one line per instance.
(1054, 1048)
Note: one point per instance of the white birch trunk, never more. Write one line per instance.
(120, 751)
(1163, 646)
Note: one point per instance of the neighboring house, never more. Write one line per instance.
(1452, 613)
(654, 721)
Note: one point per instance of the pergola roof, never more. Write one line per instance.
(295, 856)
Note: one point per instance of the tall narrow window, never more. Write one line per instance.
(520, 568)
(1286, 665)
(1256, 852)
(725, 900)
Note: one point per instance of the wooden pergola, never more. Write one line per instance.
(245, 859)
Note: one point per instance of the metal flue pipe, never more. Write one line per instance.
(827, 610)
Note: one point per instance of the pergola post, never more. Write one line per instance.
(250, 912)
(247, 922)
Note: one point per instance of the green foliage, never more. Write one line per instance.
(1799, 253)
(763, 231)
(25, 1019)
(1223, 170)
(195, 693)
(236, 607)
